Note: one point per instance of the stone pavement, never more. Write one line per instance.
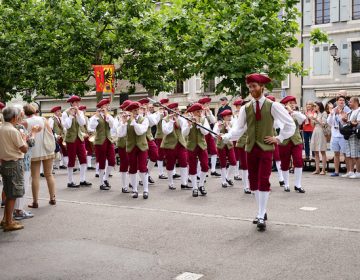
(92, 234)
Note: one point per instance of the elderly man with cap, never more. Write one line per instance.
(174, 145)
(135, 128)
(88, 145)
(210, 141)
(225, 150)
(224, 106)
(72, 120)
(197, 148)
(291, 148)
(103, 123)
(257, 118)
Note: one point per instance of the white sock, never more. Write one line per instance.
(184, 175)
(278, 167)
(123, 179)
(88, 160)
(174, 171)
(286, 177)
(66, 161)
(213, 163)
(257, 202)
(41, 168)
(230, 172)
(150, 165)
(170, 177)
(83, 168)
(245, 178)
(298, 174)
(160, 167)
(97, 168)
(101, 176)
(202, 178)
(198, 170)
(107, 172)
(70, 174)
(223, 175)
(133, 181)
(193, 182)
(237, 171)
(263, 199)
(144, 179)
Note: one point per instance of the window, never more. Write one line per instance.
(322, 11)
(321, 62)
(198, 83)
(210, 86)
(355, 9)
(179, 87)
(355, 57)
(186, 86)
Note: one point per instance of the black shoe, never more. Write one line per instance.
(85, 184)
(299, 190)
(247, 191)
(195, 193)
(145, 195)
(124, 190)
(150, 180)
(261, 225)
(282, 183)
(97, 175)
(286, 189)
(135, 195)
(130, 186)
(215, 174)
(55, 168)
(75, 169)
(91, 168)
(171, 187)
(176, 176)
(237, 178)
(104, 187)
(186, 187)
(224, 185)
(163, 177)
(202, 190)
(110, 175)
(73, 185)
(106, 183)
(42, 175)
(189, 181)
(230, 182)
(62, 167)
(140, 183)
(255, 221)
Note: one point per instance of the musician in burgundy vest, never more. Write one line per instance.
(72, 120)
(210, 140)
(257, 119)
(153, 152)
(174, 145)
(88, 145)
(197, 148)
(291, 148)
(103, 123)
(276, 154)
(225, 150)
(59, 131)
(137, 147)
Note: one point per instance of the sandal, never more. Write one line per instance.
(315, 173)
(323, 173)
(33, 205)
(52, 201)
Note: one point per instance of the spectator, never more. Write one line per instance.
(318, 139)
(224, 106)
(12, 149)
(308, 127)
(328, 108)
(353, 144)
(337, 139)
(39, 155)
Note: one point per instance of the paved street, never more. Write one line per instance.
(92, 234)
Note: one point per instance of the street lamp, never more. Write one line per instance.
(333, 52)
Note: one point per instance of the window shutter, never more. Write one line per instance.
(345, 6)
(186, 87)
(345, 58)
(198, 83)
(334, 11)
(307, 13)
(317, 61)
(325, 60)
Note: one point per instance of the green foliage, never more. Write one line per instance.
(318, 36)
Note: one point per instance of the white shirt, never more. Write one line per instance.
(168, 127)
(355, 115)
(94, 121)
(278, 112)
(67, 120)
(140, 128)
(334, 119)
(186, 131)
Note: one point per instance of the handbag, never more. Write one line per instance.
(48, 140)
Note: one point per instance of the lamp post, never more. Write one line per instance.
(333, 52)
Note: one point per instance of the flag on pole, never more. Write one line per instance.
(105, 78)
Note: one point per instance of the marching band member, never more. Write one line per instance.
(103, 123)
(225, 151)
(88, 145)
(210, 141)
(292, 146)
(174, 145)
(121, 144)
(257, 118)
(197, 148)
(137, 147)
(72, 120)
(237, 104)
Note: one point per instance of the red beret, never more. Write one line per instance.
(82, 108)
(144, 101)
(73, 98)
(173, 105)
(238, 102)
(103, 102)
(270, 97)
(54, 109)
(2, 106)
(125, 104)
(204, 100)
(164, 100)
(133, 106)
(257, 78)
(226, 113)
(288, 99)
(195, 107)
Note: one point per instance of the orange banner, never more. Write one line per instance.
(105, 78)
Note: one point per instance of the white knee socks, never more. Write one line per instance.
(223, 175)
(263, 199)
(70, 174)
(286, 177)
(202, 178)
(184, 175)
(83, 168)
(213, 163)
(298, 174)
(88, 160)
(279, 171)
(144, 179)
